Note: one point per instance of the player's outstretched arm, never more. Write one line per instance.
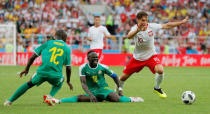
(116, 79)
(132, 34)
(85, 88)
(68, 76)
(30, 62)
(117, 82)
(111, 37)
(174, 24)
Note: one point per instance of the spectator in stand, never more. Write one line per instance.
(45, 16)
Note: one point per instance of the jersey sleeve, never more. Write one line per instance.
(68, 57)
(133, 29)
(107, 70)
(106, 32)
(82, 70)
(39, 50)
(155, 27)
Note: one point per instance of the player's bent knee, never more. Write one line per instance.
(83, 98)
(160, 71)
(30, 84)
(113, 97)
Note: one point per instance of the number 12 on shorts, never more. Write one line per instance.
(54, 56)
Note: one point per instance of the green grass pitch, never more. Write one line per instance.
(177, 80)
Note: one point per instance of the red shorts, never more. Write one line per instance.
(98, 51)
(136, 65)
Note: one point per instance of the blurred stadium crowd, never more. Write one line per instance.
(41, 18)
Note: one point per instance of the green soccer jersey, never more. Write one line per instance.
(95, 76)
(55, 54)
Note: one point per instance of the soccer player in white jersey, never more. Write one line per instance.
(144, 53)
(96, 34)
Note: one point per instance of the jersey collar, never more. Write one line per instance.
(60, 40)
(92, 68)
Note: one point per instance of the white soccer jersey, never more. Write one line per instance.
(97, 35)
(144, 42)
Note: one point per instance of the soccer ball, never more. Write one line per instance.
(188, 97)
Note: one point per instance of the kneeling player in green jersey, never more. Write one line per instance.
(55, 54)
(94, 84)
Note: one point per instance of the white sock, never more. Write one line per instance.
(158, 80)
(56, 100)
(121, 84)
(49, 96)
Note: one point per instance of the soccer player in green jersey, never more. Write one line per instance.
(94, 84)
(55, 54)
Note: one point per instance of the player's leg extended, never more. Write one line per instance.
(132, 67)
(20, 91)
(158, 80)
(79, 98)
(56, 85)
(69, 100)
(55, 89)
(36, 80)
(114, 97)
(123, 78)
(159, 75)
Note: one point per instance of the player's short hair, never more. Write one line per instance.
(97, 17)
(141, 14)
(61, 35)
(89, 52)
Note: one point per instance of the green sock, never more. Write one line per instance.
(125, 99)
(71, 99)
(55, 89)
(20, 91)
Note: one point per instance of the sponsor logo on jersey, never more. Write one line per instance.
(99, 72)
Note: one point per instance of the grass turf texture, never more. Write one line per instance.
(177, 80)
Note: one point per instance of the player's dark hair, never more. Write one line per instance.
(61, 35)
(89, 52)
(50, 37)
(141, 14)
(96, 16)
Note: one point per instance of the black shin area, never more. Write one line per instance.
(113, 97)
(30, 84)
(83, 98)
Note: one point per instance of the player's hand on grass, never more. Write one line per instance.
(93, 98)
(23, 72)
(120, 93)
(70, 86)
